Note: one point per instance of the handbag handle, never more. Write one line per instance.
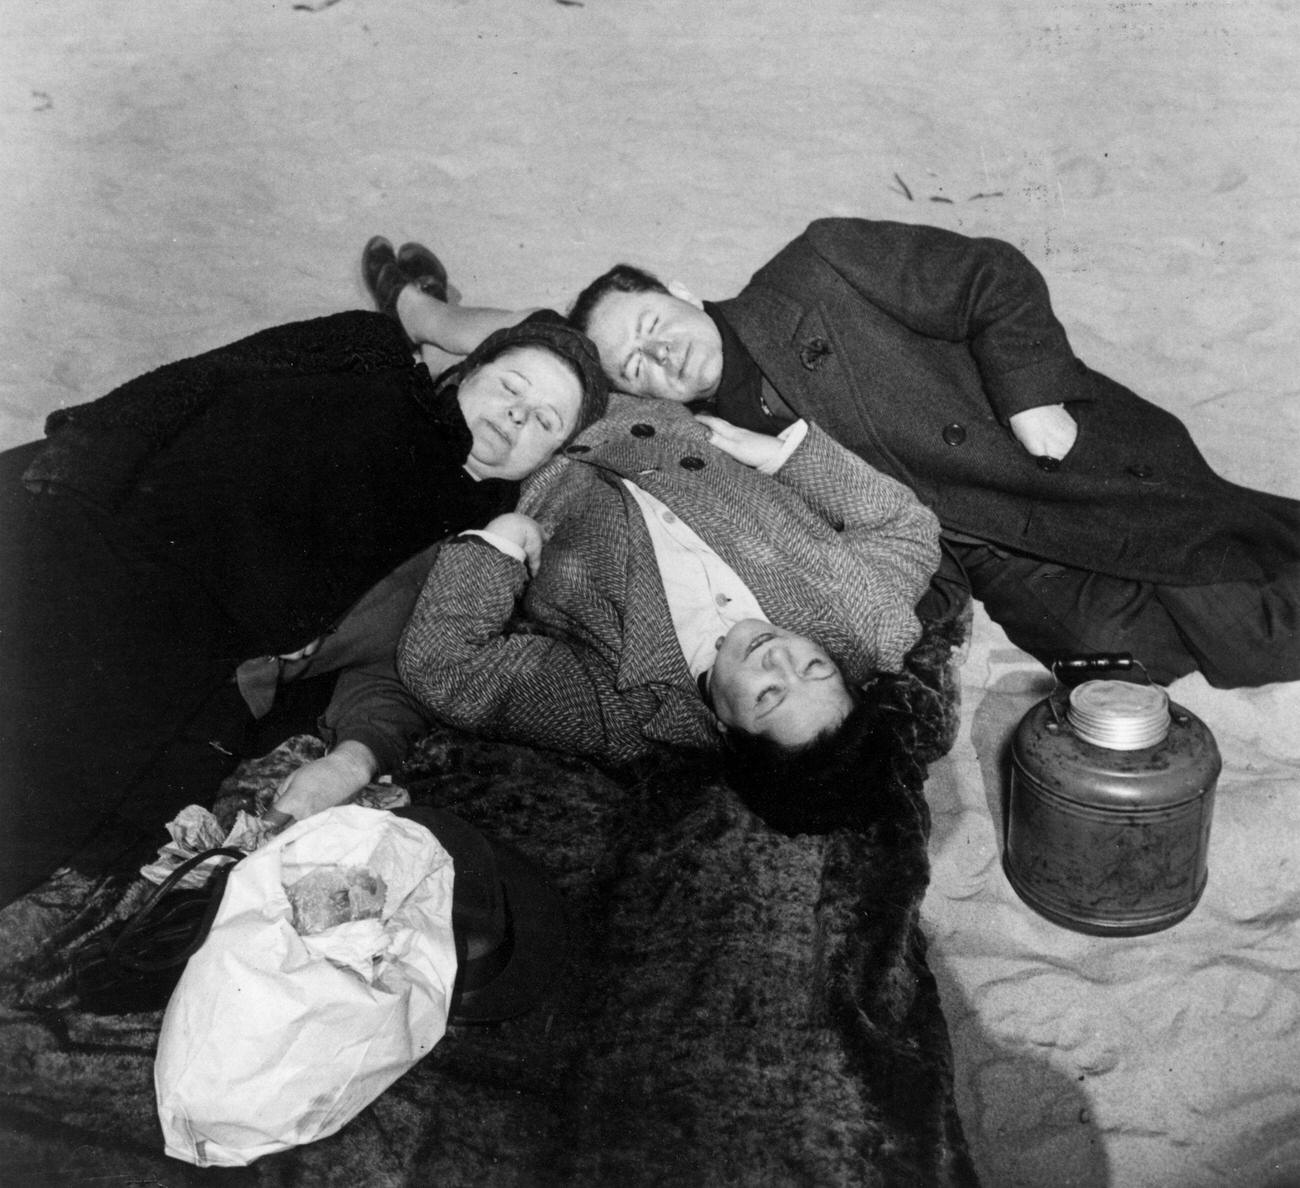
(140, 919)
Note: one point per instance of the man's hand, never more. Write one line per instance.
(746, 446)
(1046, 432)
(522, 531)
(324, 783)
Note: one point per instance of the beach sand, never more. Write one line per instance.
(177, 175)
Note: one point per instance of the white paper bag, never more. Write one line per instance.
(272, 1039)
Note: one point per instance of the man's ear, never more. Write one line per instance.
(682, 293)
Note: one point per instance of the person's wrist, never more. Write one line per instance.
(355, 760)
(486, 538)
(276, 819)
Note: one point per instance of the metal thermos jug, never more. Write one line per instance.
(1111, 795)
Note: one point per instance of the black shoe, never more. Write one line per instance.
(383, 276)
(424, 269)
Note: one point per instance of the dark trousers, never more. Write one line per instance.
(1236, 634)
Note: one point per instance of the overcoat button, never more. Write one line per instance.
(954, 434)
(690, 462)
(813, 353)
(1141, 472)
(578, 449)
(639, 430)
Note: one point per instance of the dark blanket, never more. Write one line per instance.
(737, 1006)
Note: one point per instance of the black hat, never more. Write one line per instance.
(550, 330)
(508, 920)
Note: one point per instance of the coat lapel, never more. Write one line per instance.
(652, 657)
(800, 353)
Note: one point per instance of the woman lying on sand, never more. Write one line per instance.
(176, 551)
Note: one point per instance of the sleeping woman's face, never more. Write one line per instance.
(520, 408)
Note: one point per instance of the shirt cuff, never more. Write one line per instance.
(498, 542)
(791, 438)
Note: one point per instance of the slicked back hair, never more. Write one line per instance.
(622, 278)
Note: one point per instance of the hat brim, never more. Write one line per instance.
(539, 928)
(536, 942)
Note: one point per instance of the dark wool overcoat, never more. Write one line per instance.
(220, 508)
(913, 346)
(284, 474)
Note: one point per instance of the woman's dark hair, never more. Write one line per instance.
(622, 278)
(823, 785)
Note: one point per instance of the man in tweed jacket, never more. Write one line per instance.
(831, 549)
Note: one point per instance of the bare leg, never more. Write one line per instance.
(454, 329)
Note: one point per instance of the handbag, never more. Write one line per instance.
(135, 965)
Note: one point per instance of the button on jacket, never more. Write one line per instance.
(831, 549)
(914, 347)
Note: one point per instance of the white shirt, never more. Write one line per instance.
(705, 595)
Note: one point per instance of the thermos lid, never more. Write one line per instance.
(1119, 715)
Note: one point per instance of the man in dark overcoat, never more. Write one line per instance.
(1083, 516)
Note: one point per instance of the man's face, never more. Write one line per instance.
(661, 345)
(777, 685)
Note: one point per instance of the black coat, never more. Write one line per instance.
(220, 508)
(913, 346)
(285, 473)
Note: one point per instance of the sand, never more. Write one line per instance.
(179, 174)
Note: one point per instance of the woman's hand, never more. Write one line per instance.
(746, 446)
(324, 783)
(523, 532)
(1046, 432)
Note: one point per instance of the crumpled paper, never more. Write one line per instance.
(359, 945)
(195, 829)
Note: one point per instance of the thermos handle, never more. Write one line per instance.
(1085, 662)
(1095, 662)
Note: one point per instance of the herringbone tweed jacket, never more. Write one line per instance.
(831, 548)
